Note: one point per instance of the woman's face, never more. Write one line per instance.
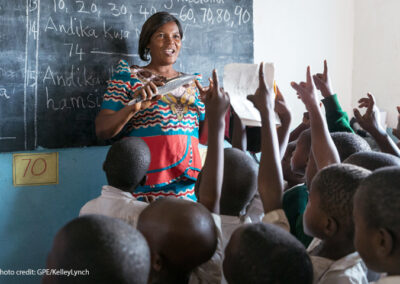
(165, 44)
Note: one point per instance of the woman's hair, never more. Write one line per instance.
(150, 27)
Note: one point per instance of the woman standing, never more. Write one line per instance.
(168, 124)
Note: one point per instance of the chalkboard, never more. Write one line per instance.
(57, 55)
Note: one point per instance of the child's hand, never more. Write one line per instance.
(305, 91)
(281, 108)
(322, 82)
(370, 121)
(216, 100)
(396, 132)
(263, 99)
(203, 90)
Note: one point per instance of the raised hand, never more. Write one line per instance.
(322, 82)
(370, 121)
(281, 108)
(396, 132)
(305, 91)
(203, 90)
(216, 100)
(263, 98)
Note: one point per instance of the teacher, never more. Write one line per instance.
(169, 124)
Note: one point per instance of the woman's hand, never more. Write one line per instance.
(148, 93)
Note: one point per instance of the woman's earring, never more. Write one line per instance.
(147, 52)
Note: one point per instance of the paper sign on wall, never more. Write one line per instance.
(35, 169)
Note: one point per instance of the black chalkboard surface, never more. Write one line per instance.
(57, 55)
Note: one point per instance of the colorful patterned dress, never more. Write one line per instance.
(169, 126)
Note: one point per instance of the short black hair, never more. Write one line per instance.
(373, 160)
(336, 185)
(379, 195)
(239, 182)
(150, 27)
(349, 143)
(268, 254)
(181, 231)
(126, 163)
(111, 250)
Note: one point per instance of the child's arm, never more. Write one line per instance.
(270, 177)
(285, 117)
(305, 124)
(216, 103)
(324, 150)
(336, 118)
(370, 122)
(239, 137)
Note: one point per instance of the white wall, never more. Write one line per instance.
(377, 54)
(297, 33)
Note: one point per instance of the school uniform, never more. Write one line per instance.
(229, 224)
(116, 203)
(350, 269)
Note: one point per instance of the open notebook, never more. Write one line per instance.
(241, 80)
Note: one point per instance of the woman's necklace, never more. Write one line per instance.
(176, 73)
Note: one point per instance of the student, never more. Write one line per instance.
(327, 215)
(370, 122)
(249, 257)
(264, 253)
(372, 160)
(377, 224)
(125, 167)
(238, 188)
(181, 234)
(328, 218)
(289, 175)
(107, 250)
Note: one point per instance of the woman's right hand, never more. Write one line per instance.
(148, 93)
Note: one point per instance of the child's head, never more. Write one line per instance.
(349, 143)
(239, 182)
(372, 160)
(346, 145)
(263, 253)
(126, 163)
(329, 209)
(377, 222)
(181, 235)
(291, 177)
(301, 153)
(111, 250)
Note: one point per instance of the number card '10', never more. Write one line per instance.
(35, 169)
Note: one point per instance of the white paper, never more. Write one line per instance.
(241, 80)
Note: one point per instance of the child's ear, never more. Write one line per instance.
(143, 181)
(386, 242)
(331, 227)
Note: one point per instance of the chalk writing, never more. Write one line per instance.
(3, 93)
